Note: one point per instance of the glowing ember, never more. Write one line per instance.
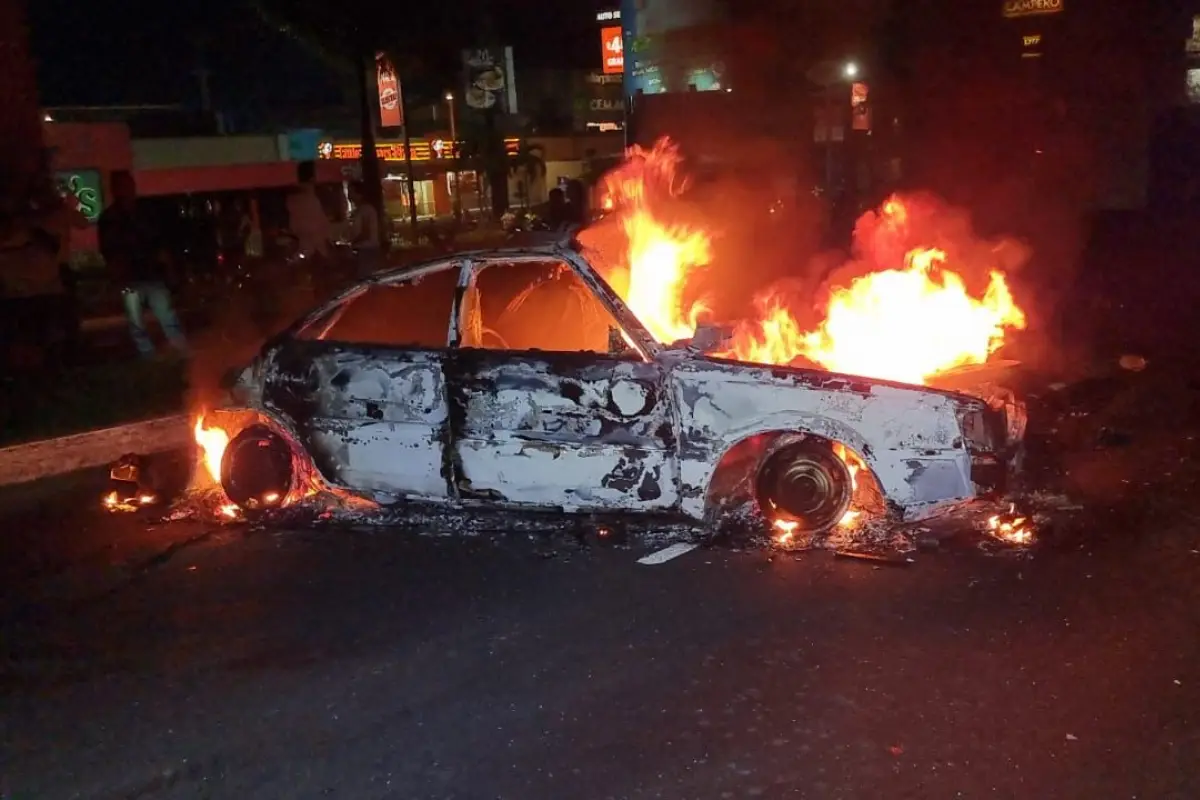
(114, 502)
(213, 442)
(1011, 527)
(907, 319)
(786, 530)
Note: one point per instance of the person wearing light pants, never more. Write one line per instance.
(140, 295)
(129, 248)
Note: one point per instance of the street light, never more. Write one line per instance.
(454, 152)
(851, 69)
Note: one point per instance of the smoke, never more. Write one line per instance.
(239, 323)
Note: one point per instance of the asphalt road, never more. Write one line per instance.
(187, 660)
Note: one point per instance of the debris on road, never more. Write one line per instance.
(667, 553)
(1132, 363)
(891, 559)
(131, 487)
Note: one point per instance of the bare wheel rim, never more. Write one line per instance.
(805, 483)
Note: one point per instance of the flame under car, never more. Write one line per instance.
(519, 379)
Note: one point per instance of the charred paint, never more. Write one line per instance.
(650, 488)
(572, 391)
(624, 476)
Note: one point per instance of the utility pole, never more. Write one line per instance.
(369, 157)
(454, 144)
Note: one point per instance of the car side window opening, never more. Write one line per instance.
(413, 314)
(541, 305)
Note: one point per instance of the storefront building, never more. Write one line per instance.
(434, 173)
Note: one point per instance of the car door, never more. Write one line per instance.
(363, 385)
(545, 410)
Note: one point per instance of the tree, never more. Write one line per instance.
(528, 164)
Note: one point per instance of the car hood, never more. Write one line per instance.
(809, 377)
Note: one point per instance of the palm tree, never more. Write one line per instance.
(485, 152)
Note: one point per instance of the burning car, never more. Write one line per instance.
(520, 379)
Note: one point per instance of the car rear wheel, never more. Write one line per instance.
(257, 469)
(805, 483)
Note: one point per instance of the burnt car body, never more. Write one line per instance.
(477, 409)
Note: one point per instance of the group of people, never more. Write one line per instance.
(38, 301)
(39, 306)
(314, 231)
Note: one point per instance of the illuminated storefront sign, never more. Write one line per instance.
(608, 16)
(391, 113)
(612, 48)
(1029, 8)
(87, 187)
(394, 151)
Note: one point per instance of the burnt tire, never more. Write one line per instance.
(806, 483)
(257, 469)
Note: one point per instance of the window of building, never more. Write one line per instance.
(395, 197)
(414, 314)
(538, 306)
(1193, 86)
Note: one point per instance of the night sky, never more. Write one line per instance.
(144, 52)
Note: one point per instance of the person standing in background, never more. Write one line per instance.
(363, 231)
(310, 226)
(133, 255)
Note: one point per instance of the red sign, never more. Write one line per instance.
(612, 48)
(391, 115)
(860, 111)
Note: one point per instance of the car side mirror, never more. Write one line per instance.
(710, 338)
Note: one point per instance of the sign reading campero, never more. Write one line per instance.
(1030, 8)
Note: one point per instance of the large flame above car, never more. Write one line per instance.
(906, 315)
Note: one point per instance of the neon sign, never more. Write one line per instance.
(394, 151)
(1029, 8)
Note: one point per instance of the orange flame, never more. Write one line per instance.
(213, 442)
(905, 323)
(1011, 527)
(853, 465)
(899, 324)
(661, 256)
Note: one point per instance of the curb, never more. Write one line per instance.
(23, 463)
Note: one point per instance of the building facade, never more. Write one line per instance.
(20, 124)
(1006, 99)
